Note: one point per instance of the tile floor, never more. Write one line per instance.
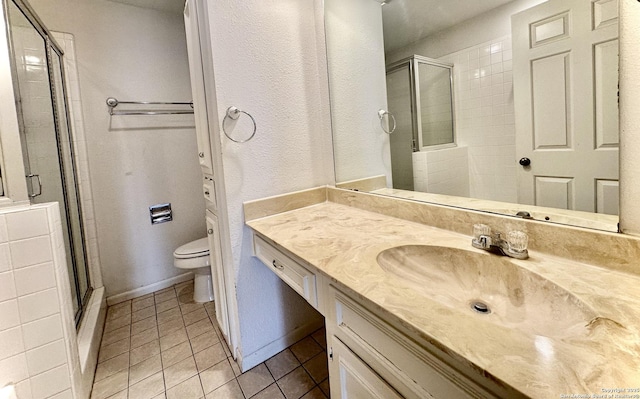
(163, 345)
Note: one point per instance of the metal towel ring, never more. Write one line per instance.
(381, 114)
(233, 113)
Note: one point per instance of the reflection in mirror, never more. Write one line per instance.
(534, 121)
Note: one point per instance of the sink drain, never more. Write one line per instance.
(480, 307)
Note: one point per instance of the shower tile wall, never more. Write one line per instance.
(38, 349)
(444, 171)
(483, 86)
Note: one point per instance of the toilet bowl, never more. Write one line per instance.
(194, 256)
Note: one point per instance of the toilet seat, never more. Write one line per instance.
(192, 249)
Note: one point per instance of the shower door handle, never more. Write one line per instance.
(33, 193)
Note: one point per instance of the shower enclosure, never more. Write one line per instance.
(420, 96)
(45, 134)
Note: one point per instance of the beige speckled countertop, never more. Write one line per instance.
(343, 242)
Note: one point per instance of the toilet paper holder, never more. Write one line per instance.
(160, 213)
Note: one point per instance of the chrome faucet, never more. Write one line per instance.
(514, 246)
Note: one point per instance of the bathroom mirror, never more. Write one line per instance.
(534, 104)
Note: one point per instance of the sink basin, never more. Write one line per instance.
(490, 287)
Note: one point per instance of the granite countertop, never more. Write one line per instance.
(601, 353)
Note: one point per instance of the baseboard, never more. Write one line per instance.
(253, 359)
(147, 289)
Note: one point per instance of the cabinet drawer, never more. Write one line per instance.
(291, 272)
(409, 368)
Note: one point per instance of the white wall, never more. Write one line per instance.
(483, 28)
(355, 53)
(134, 54)
(269, 61)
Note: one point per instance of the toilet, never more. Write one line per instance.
(194, 256)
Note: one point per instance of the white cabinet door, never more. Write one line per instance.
(565, 74)
(217, 272)
(351, 378)
(197, 86)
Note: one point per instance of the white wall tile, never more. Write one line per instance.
(11, 342)
(5, 258)
(9, 316)
(34, 278)
(42, 331)
(23, 389)
(27, 224)
(4, 236)
(63, 395)
(46, 357)
(7, 286)
(31, 251)
(38, 305)
(13, 369)
(50, 382)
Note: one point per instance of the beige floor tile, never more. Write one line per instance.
(315, 393)
(173, 339)
(210, 356)
(230, 390)
(163, 395)
(144, 337)
(234, 365)
(271, 392)
(181, 371)
(195, 316)
(184, 285)
(168, 315)
(120, 395)
(189, 389)
(324, 385)
(166, 305)
(173, 355)
(143, 325)
(110, 385)
(112, 350)
(117, 323)
(142, 302)
(305, 349)
(147, 388)
(144, 369)
(189, 306)
(216, 376)
(203, 341)
(165, 296)
(282, 364)
(112, 366)
(116, 335)
(320, 337)
(199, 328)
(119, 310)
(144, 352)
(255, 380)
(296, 383)
(170, 326)
(317, 367)
(143, 313)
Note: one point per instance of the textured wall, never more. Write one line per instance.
(267, 63)
(629, 116)
(357, 74)
(135, 54)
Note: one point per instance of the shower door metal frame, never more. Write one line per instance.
(414, 72)
(52, 45)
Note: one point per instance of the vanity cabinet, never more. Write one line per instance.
(298, 277)
(369, 357)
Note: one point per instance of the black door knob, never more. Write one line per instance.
(524, 161)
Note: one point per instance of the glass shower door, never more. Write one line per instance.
(46, 138)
